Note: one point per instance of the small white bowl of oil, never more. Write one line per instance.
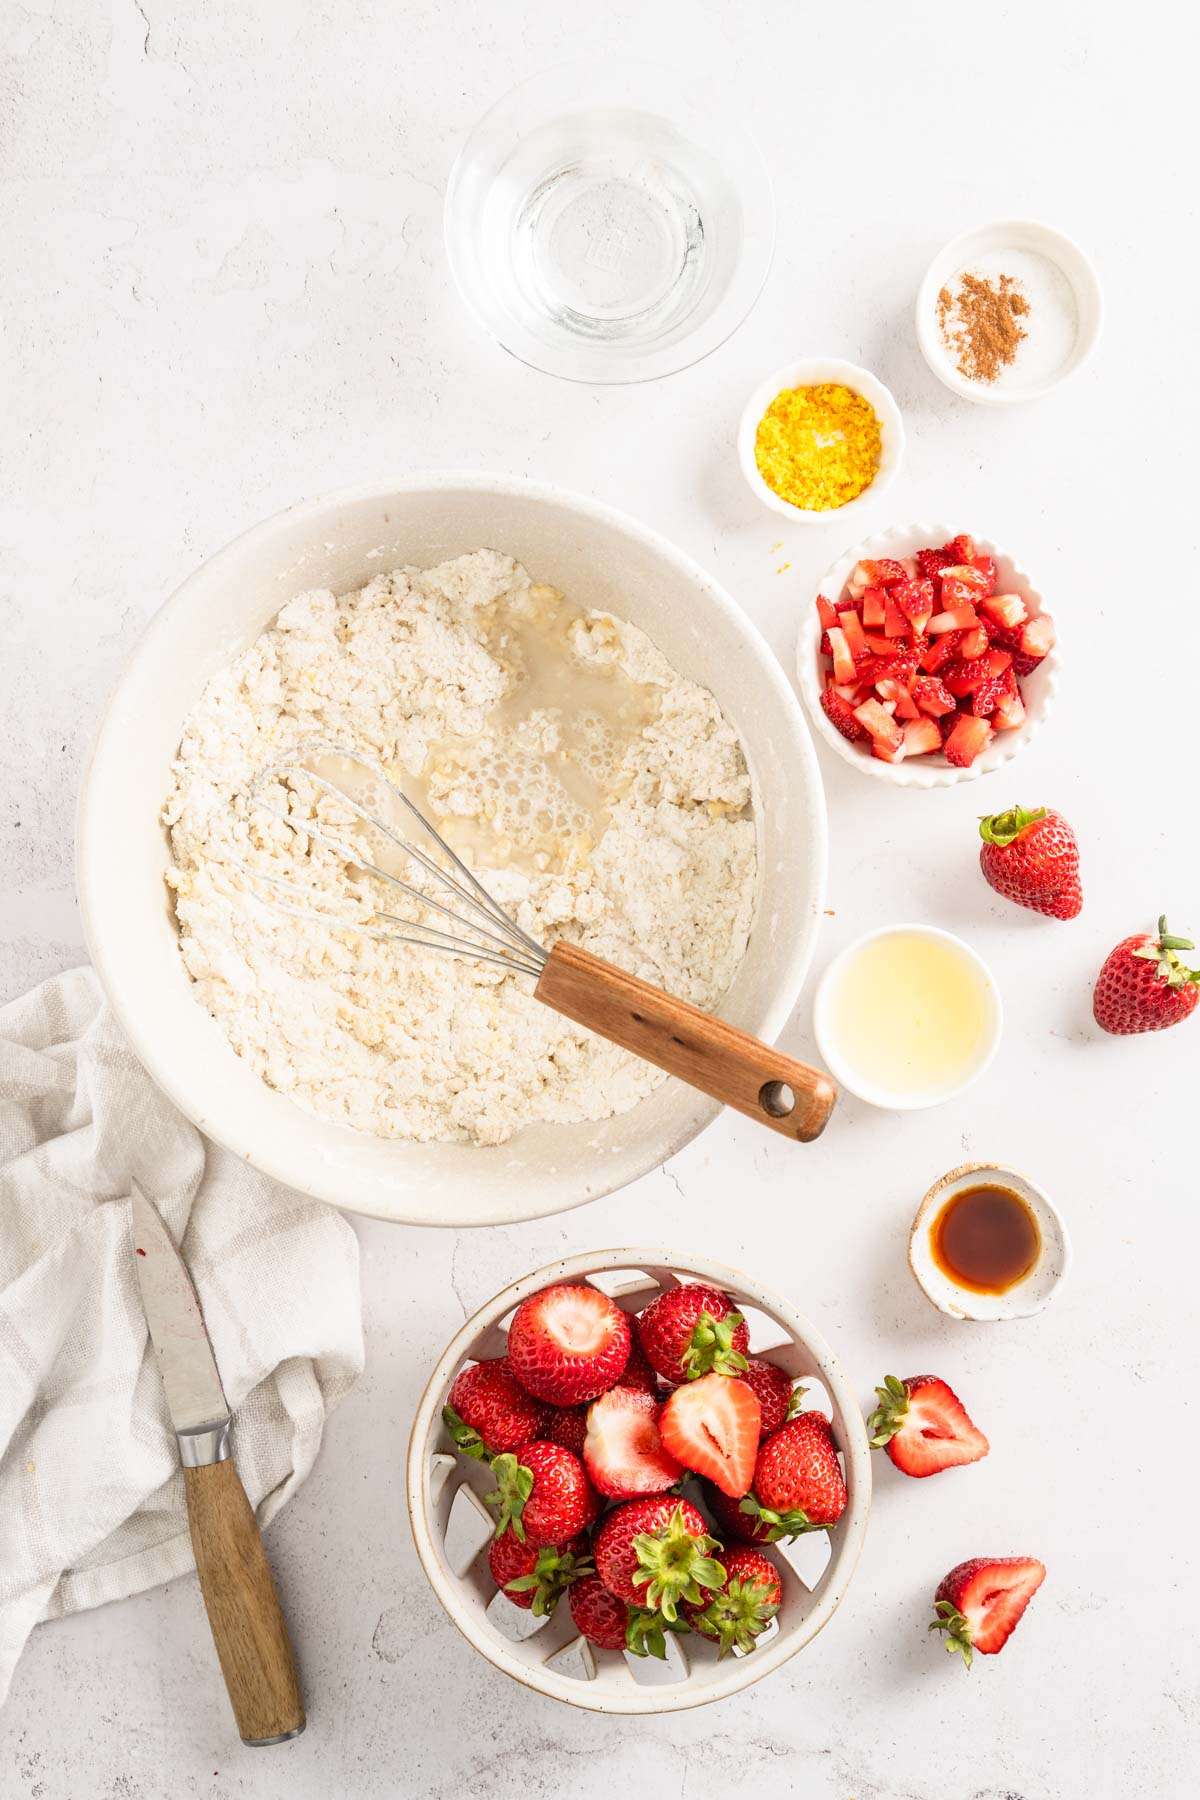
(907, 1016)
(988, 1244)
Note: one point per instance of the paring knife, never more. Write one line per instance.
(235, 1578)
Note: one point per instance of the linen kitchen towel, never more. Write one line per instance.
(91, 1494)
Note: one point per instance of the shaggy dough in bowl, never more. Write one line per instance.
(600, 797)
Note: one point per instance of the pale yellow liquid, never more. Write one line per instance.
(911, 1015)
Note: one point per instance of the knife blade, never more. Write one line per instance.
(247, 1624)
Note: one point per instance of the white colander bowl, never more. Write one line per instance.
(452, 1527)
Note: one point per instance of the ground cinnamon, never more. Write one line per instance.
(981, 326)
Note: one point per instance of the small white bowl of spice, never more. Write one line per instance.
(1006, 312)
(820, 436)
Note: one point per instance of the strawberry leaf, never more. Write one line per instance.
(465, 1437)
(711, 1349)
(514, 1484)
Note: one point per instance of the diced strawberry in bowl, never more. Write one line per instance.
(943, 635)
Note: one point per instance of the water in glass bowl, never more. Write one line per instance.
(604, 239)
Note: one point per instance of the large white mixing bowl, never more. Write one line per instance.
(601, 559)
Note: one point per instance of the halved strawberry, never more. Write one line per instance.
(921, 737)
(932, 696)
(841, 715)
(924, 1426)
(873, 602)
(1008, 610)
(712, 1427)
(568, 1343)
(968, 738)
(880, 724)
(623, 1451)
(980, 1601)
(955, 618)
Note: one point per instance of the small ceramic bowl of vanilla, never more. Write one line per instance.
(907, 1016)
(988, 1244)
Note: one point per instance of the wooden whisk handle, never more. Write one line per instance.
(702, 1050)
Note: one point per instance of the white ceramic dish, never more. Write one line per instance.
(807, 373)
(602, 559)
(842, 1068)
(1038, 689)
(1010, 235)
(1030, 1294)
(816, 1570)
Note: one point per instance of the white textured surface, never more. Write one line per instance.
(223, 288)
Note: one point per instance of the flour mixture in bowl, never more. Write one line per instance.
(600, 796)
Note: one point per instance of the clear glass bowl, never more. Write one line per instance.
(610, 221)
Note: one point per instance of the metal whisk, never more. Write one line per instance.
(700, 1049)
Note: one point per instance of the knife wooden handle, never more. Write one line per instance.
(700, 1049)
(243, 1608)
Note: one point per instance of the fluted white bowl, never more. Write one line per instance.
(1037, 690)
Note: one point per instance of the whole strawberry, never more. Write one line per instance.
(778, 1399)
(738, 1613)
(535, 1579)
(1143, 986)
(1032, 858)
(656, 1553)
(488, 1412)
(798, 1484)
(568, 1343)
(610, 1623)
(545, 1498)
(692, 1330)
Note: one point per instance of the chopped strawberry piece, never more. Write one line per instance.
(872, 606)
(841, 715)
(955, 618)
(968, 676)
(878, 646)
(1010, 712)
(967, 739)
(1038, 637)
(960, 549)
(852, 628)
(826, 612)
(1008, 610)
(879, 723)
(712, 1427)
(884, 571)
(932, 562)
(921, 736)
(932, 696)
(964, 575)
(987, 569)
(940, 651)
(973, 644)
(913, 597)
(891, 689)
(956, 592)
(885, 753)
(895, 624)
(843, 661)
